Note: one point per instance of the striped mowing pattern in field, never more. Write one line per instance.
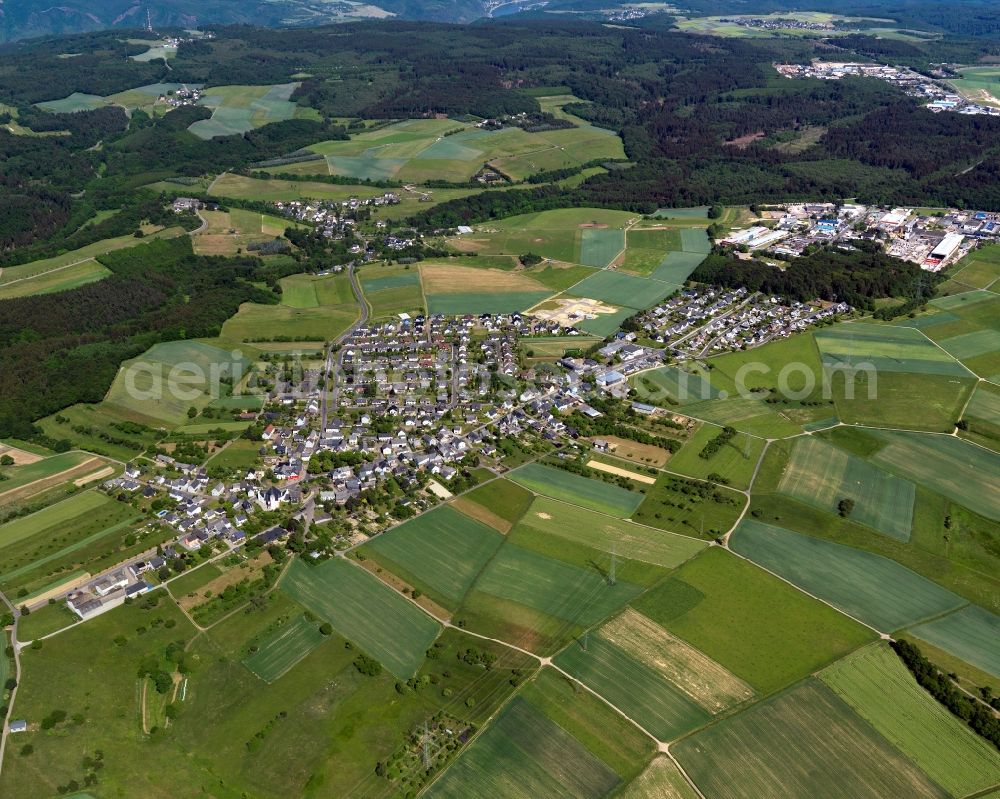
(639, 691)
(633, 541)
(874, 589)
(973, 634)
(882, 691)
(440, 552)
(283, 648)
(524, 755)
(802, 744)
(578, 490)
(822, 475)
(704, 681)
(660, 780)
(365, 611)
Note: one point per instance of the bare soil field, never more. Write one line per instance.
(617, 470)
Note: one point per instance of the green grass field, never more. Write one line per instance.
(959, 470)
(279, 650)
(392, 290)
(525, 755)
(618, 288)
(874, 589)
(59, 523)
(756, 626)
(577, 490)
(880, 689)
(888, 349)
(734, 461)
(606, 534)
(66, 278)
(477, 302)
(440, 553)
(255, 322)
(800, 744)
(980, 269)
(502, 499)
(972, 634)
(365, 611)
(633, 687)
(822, 475)
(693, 508)
(159, 386)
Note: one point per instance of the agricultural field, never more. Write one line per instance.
(280, 649)
(577, 490)
(756, 626)
(887, 348)
(552, 348)
(605, 534)
(142, 392)
(439, 553)
(823, 475)
(365, 611)
(871, 588)
(241, 187)
(972, 634)
(525, 755)
(142, 97)
(735, 460)
(880, 689)
(453, 289)
(630, 685)
(980, 269)
(561, 235)
(660, 780)
(498, 503)
(689, 506)
(102, 430)
(229, 233)
(979, 84)
(390, 290)
(800, 744)
(618, 288)
(35, 475)
(240, 455)
(64, 279)
(238, 109)
(959, 470)
(423, 149)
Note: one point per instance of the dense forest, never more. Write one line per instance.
(63, 348)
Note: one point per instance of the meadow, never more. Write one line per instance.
(604, 533)
(392, 290)
(439, 553)
(799, 744)
(973, 634)
(880, 689)
(758, 627)
(364, 611)
(871, 588)
(980, 269)
(99, 429)
(691, 507)
(734, 461)
(279, 650)
(577, 490)
(822, 475)
(334, 312)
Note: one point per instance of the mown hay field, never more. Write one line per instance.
(283, 647)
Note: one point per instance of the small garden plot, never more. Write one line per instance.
(734, 460)
(498, 503)
(874, 589)
(887, 348)
(959, 470)
(600, 246)
(440, 553)
(801, 744)
(525, 755)
(880, 689)
(706, 683)
(637, 690)
(557, 589)
(758, 627)
(577, 490)
(280, 649)
(618, 288)
(365, 611)
(605, 534)
(824, 476)
(660, 780)
(972, 634)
